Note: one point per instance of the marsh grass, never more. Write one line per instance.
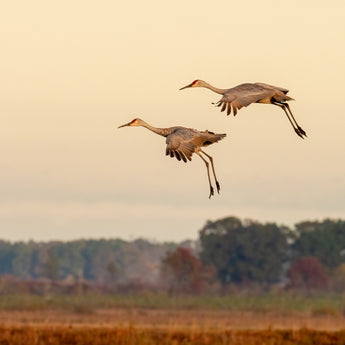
(282, 302)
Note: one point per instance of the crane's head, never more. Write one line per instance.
(196, 83)
(135, 122)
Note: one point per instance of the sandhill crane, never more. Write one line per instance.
(182, 142)
(245, 94)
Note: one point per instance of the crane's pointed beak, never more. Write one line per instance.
(185, 87)
(126, 124)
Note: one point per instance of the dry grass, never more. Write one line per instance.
(176, 327)
(139, 336)
(175, 319)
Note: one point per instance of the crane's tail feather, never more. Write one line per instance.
(220, 136)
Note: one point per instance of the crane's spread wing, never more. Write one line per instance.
(182, 143)
(245, 94)
(273, 87)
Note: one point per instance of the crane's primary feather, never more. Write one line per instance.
(248, 93)
(183, 142)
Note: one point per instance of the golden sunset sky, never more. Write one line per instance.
(73, 71)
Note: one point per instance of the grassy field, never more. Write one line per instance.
(180, 320)
(184, 320)
(282, 302)
(161, 326)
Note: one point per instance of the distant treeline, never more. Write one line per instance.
(100, 261)
(229, 252)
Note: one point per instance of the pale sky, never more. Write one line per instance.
(72, 71)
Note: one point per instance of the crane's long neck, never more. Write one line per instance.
(213, 88)
(161, 131)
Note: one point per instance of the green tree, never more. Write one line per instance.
(244, 251)
(6, 257)
(97, 254)
(338, 278)
(324, 240)
(22, 261)
(113, 272)
(69, 254)
(51, 267)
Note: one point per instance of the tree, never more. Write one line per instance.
(113, 272)
(244, 251)
(6, 257)
(22, 259)
(183, 272)
(338, 278)
(97, 255)
(308, 273)
(71, 261)
(51, 267)
(324, 240)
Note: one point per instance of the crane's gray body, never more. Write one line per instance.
(244, 94)
(182, 142)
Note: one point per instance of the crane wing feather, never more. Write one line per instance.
(229, 109)
(183, 142)
(177, 155)
(246, 94)
(183, 156)
(267, 86)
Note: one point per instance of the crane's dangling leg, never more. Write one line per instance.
(214, 173)
(299, 128)
(282, 105)
(208, 173)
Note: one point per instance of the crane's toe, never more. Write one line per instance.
(211, 192)
(299, 133)
(218, 186)
(302, 131)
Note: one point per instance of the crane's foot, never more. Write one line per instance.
(211, 192)
(300, 133)
(218, 186)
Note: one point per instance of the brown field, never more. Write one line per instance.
(174, 319)
(137, 336)
(146, 326)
